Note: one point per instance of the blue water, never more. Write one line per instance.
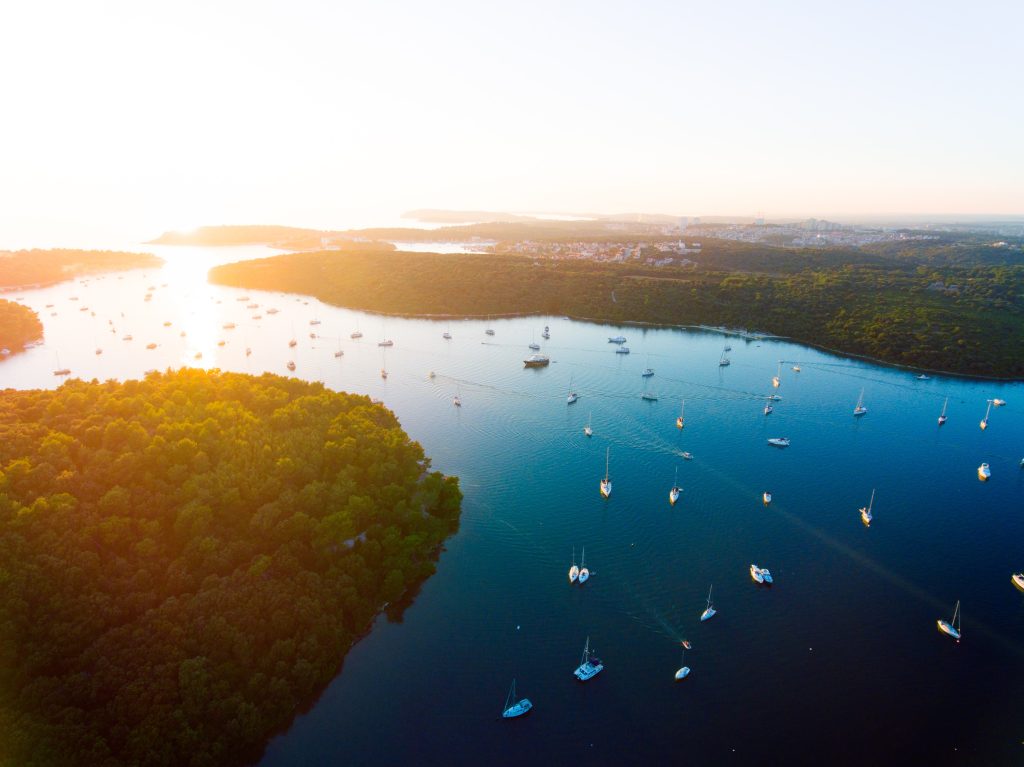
(840, 660)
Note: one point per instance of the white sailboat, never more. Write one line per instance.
(768, 408)
(865, 513)
(572, 395)
(61, 371)
(590, 665)
(984, 421)
(952, 628)
(942, 415)
(584, 574)
(680, 421)
(984, 472)
(673, 494)
(860, 409)
(709, 611)
(586, 429)
(606, 484)
(777, 379)
(755, 573)
(512, 710)
(723, 361)
(457, 401)
(766, 497)
(684, 670)
(574, 571)
(489, 331)
(1018, 580)
(998, 402)
(357, 333)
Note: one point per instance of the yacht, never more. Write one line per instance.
(590, 665)
(680, 421)
(952, 628)
(942, 415)
(673, 494)
(536, 361)
(865, 513)
(755, 573)
(779, 441)
(684, 671)
(766, 497)
(574, 571)
(622, 350)
(860, 409)
(1018, 580)
(984, 472)
(709, 611)
(586, 429)
(617, 340)
(584, 574)
(512, 710)
(606, 484)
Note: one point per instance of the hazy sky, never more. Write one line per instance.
(125, 119)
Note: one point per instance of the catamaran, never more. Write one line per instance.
(584, 574)
(984, 421)
(680, 421)
(952, 628)
(684, 671)
(860, 409)
(574, 571)
(606, 484)
(590, 665)
(586, 429)
(984, 472)
(512, 710)
(673, 494)
(777, 379)
(865, 513)
(709, 611)
(942, 415)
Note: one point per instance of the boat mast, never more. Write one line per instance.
(944, 406)
(872, 501)
(606, 453)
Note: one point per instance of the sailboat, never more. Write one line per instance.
(489, 331)
(684, 671)
(648, 371)
(586, 429)
(447, 334)
(865, 513)
(860, 409)
(777, 380)
(984, 472)
(574, 571)
(680, 421)
(293, 342)
(951, 627)
(456, 401)
(942, 415)
(356, 333)
(766, 497)
(724, 361)
(768, 408)
(339, 352)
(572, 396)
(512, 710)
(709, 611)
(590, 665)
(584, 575)
(533, 344)
(984, 421)
(383, 366)
(673, 494)
(61, 371)
(606, 484)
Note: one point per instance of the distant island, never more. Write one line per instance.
(280, 237)
(32, 268)
(954, 308)
(19, 326)
(185, 560)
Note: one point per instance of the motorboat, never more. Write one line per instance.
(777, 379)
(952, 627)
(766, 497)
(923, 377)
(536, 361)
(865, 512)
(709, 611)
(574, 571)
(617, 340)
(687, 456)
(755, 573)
(512, 710)
(606, 484)
(584, 574)
(773, 397)
(590, 665)
(796, 368)
(984, 472)
(779, 441)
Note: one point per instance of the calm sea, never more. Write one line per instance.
(839, 661)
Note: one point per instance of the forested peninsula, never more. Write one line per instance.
(30, 268)
(19, 325)
(184, 560)
(964, 319)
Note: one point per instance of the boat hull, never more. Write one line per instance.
(606, 489)
(1018, 581)
(947, 628)
(707, 614)
(682, 673)
(519, 709)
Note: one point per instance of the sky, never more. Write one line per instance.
(119, 120)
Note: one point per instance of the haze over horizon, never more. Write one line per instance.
(344, 116)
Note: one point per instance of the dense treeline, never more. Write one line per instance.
(42, 267)
(184, 560)
(19, 325)
(971, 323)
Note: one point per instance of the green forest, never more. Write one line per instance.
(185, 559)
(960, 319)
(19, 325)
(22, 268)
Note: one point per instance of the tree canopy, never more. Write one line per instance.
(19, 325)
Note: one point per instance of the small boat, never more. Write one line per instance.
(357, 334)
(446, 336)
(709, 611)
(99, 350)
(127, 337)
(584, 574)
(755, 573)
(512, 710)
(151, 346)
(766, 575)
(923, 377)
(383, 373)
(291, 365)
(686, 644)
(984, 472)
(724, 361)
(688, 456)
(768, 409)
(617, 340)
(778, 441)
(229, 326)
(197, 356)
(952, 628)
(649, 396)
(860, 409)
(535, 346)
(606, 484)
(766, 497)
(684, 671)
(942, 415)
(590, 665)
(292, 343)
(545, 335)
(339, 353)
(314, 322)
(536, 361)
(386, 342)
(865, 513)
(248, 351)
(456, 401)
(586, 429)
(777, 379)
(574, 571)
(622, 350)
(221, 343)
(272, 311)
(673, 494)
(680, 421)
(1018, 580)
(998, 402)
(572, 396)
(648, 372)
(796, 368)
